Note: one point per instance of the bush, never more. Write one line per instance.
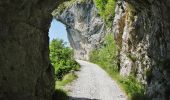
(68, 78)
(106, 55)
(62, 59)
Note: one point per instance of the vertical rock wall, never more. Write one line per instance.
(25, 70)
(142, 32)
(85, 28)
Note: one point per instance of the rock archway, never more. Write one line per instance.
(85, 28)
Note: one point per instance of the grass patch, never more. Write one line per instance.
(134, 89)
(66, 80)
(60, 93)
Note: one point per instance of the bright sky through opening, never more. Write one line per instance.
(58, 30)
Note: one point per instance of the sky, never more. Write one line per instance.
(57, 30)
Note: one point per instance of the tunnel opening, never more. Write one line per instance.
(58, 30)
(62, 58)
(85, 30)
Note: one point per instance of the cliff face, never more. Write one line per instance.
(85, 29)
(142, 32)
(25, 70)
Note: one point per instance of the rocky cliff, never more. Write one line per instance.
(85, 29)
(25, 70)
(142, 33)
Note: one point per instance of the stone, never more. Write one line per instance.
(142, 28)
(25, 69)
(85, 29)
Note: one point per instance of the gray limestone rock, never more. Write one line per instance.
(85, 28)
(142, 33)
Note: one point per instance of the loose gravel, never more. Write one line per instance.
(93, 83)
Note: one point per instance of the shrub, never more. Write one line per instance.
(107, 54)
(62, 59)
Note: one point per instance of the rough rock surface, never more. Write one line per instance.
(85, 29)
(142, 32)
(25, 70)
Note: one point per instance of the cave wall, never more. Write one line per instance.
(25, 70)
(142, 33)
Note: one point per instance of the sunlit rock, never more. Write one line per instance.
(142, 34)
(85, 28)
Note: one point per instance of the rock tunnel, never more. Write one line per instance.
(25, 69)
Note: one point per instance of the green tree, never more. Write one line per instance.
(62, 58)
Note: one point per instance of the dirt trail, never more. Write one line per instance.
(93, 83)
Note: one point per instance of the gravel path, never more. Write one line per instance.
(93, 83)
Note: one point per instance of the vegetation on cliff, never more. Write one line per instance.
(106, 57)
(106, 10)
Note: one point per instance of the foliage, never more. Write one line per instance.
(106, 57)
(61, 58)
(107, 54)
(132, 87)
(106, 10)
